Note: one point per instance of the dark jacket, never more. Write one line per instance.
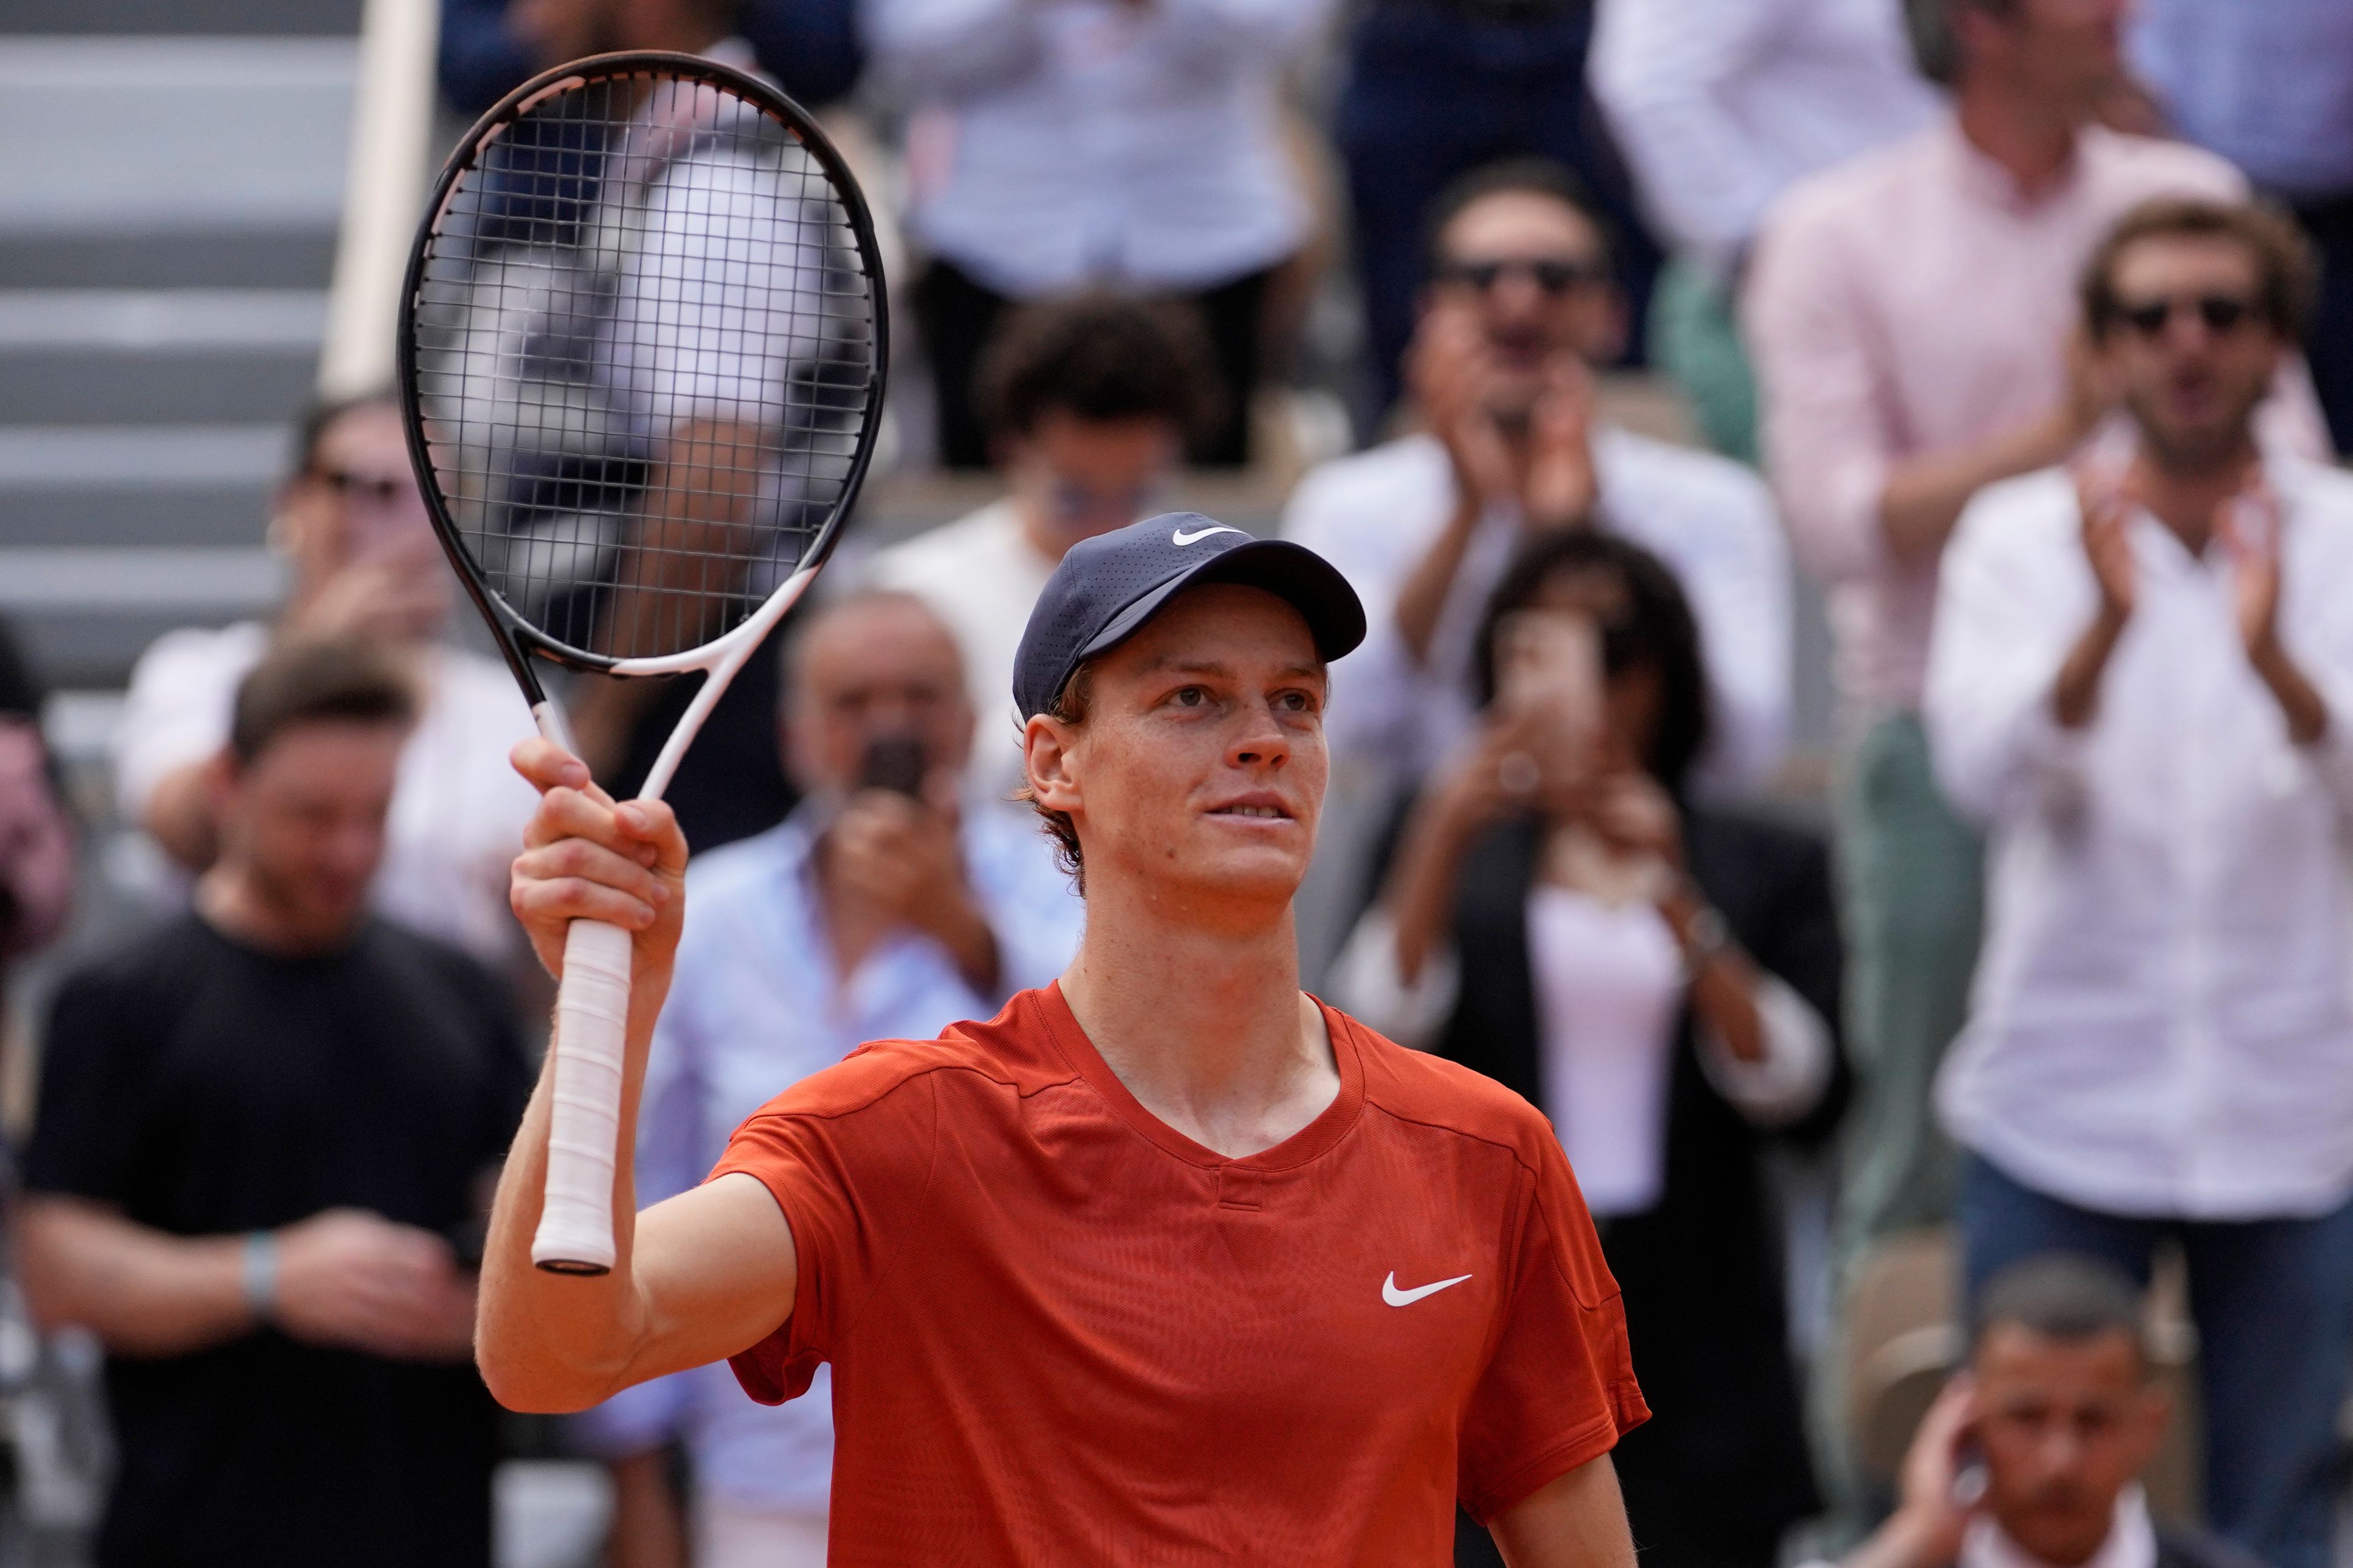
(1721, 1469)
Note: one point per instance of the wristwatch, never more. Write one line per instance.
(1707, 937)
(260, 1274)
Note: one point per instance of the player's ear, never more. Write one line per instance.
(1047, 744)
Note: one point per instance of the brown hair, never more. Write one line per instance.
(1069, 706)
(2270, 236)
(1098, 357)
(316, 682)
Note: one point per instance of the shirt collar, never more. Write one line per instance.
(2131, 1543)
(1988, 183)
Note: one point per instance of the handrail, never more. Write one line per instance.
(392, 132)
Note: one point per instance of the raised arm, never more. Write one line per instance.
(696, 1279)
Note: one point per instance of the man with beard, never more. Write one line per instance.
(2141, 685)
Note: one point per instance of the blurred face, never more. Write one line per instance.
(303, 822)
(2190, 347)
(2064, 54)
(1201, 767)
(1531, 273)
(359, 505)
(1075, 478)
(875, 669)
(2065, 1425)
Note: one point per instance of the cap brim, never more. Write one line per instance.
(1293, 572)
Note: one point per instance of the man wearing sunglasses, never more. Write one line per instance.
(1090, 401)
(2141, 687)
(1520, 307)
(361, 564)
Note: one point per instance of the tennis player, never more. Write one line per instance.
(1168, 1263)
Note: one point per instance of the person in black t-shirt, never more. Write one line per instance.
(261, 1153)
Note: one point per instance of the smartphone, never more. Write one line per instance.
(895, 763)
(1551, 660)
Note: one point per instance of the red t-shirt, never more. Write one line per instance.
(1064, 1333)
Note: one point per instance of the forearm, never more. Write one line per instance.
(1925, 497)
(2075, 695)
(1724, 984)
(1577, 1520)
(549, 1341)
(179, 818)
(141, 1292)
(1424, 598)
(2301, 704)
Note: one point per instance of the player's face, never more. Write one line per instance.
(304, 821)
(2065, 1425)
(875, 669)
(1074, 479)
(2190, 345)
(1201, 767)
(1534, 276)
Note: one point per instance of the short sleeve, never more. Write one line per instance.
(95, 1072)
(1559, 1390)
(840, 1176)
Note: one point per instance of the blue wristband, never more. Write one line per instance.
(260, 1274)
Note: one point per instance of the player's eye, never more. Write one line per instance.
(1189, 697)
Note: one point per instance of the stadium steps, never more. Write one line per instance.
(163, 267)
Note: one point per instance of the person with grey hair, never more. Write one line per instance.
(2033, 1453)
(890, 903)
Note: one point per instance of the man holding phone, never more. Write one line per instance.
(887, 905)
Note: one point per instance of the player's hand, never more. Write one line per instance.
(356, 1280)
(1447, 366)
(586, 858)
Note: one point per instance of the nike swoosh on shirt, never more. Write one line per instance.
(1180, 538)
(1396, 1298)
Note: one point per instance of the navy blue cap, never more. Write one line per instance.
(1108, 586)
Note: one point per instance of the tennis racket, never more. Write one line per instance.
(642, 351)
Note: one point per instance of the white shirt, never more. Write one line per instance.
(756, 1006)
(1610, 989)
(1375, 514)
(1720, 104)
(980, 575)
(2162, 1022)
(458, 807)
(1097, 139)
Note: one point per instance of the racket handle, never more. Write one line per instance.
(584, 1132)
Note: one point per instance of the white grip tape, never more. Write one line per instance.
(592, 1013)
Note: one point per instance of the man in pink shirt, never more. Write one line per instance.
(1911, 314)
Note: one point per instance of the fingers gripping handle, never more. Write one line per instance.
(592, 1012)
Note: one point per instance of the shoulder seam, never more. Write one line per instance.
(1396, 1115)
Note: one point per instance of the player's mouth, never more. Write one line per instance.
(1254, 808)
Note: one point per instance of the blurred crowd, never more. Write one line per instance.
(2020, 332)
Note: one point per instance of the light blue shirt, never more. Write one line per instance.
(756, 1006)
(2267, 83)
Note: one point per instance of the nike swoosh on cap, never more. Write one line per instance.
(1180, 538)
(1396, 1298)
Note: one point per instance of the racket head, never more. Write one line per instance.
(644, 342)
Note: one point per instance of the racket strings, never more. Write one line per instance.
(645, 343)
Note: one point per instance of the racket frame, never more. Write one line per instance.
(593, 995)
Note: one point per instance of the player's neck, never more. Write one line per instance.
(1203, 1021)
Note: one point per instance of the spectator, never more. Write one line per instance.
(1911, 317)
(364, 564)
(1121, 144)
(260, 1163)
(886, 908)
(1720, 104)
(1435, 90)
(1552, 921)
(2034, 1454)
(36, 842)
(1090, 400)
(2271, 89)
(1519, 306)
(488, 47)
(2141, 686)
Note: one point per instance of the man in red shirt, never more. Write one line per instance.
(1168, 1263)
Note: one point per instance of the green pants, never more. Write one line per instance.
(1910, 891)
(1695, 341)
